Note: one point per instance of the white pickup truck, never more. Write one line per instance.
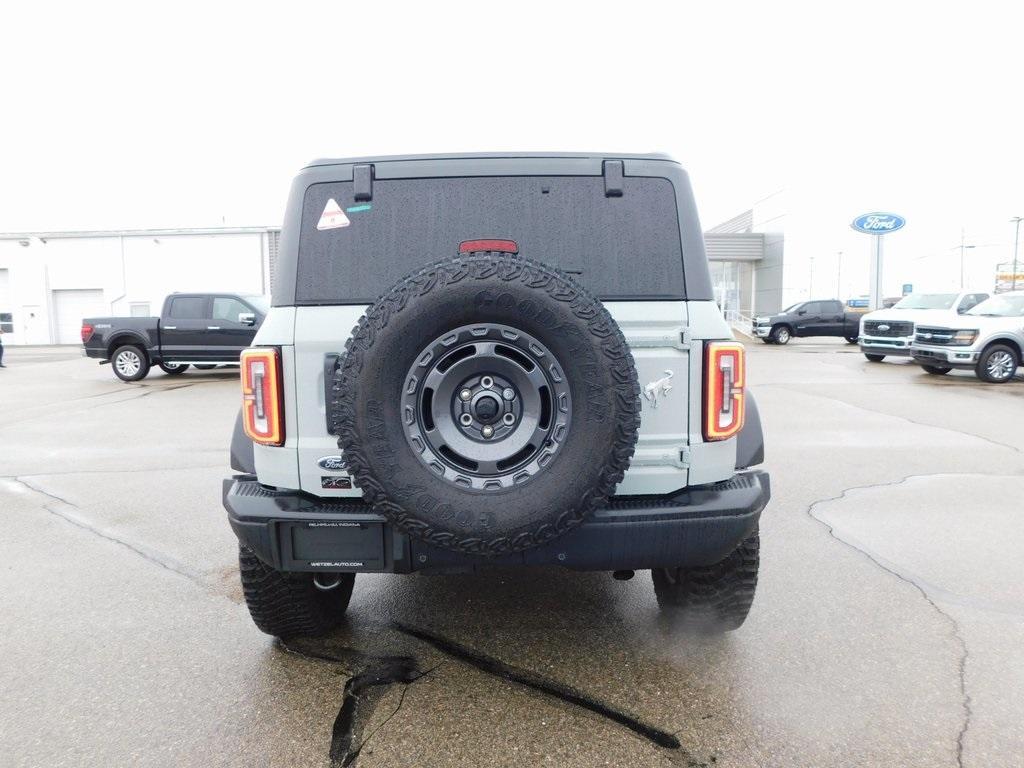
(988, 338)
(890, 332)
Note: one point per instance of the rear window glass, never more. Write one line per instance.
(618, 247)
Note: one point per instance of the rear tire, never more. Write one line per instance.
(289, 604)
(780, 335)
(130, 363)
(874, 358)
(714, 598)
(937, 370)
(173, 369)
(205, 366)
(997, 364)
(851, 339)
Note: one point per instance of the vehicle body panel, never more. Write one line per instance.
(896, 339)
(824, 317)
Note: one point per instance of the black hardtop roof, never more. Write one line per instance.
(658, 156)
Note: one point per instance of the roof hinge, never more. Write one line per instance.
(612, 170)
(362, 182)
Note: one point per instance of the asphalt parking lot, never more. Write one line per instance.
(888, 627)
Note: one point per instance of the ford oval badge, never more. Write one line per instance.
(332, 463)
(878, 223)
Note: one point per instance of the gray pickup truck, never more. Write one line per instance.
(200, 329)
(494, 360)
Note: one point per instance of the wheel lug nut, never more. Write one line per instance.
(466, 419)
(486, 382)
(465, 394)
(487, 431)
(508, 393)
(508, 418)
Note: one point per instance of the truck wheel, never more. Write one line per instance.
(851, 339)
(937, 370)
(205, 366)
(130, 363)
(290, 604)
(173, 369)
(486, 404)
(713, 598)
(997, 364)
(874, 358)
(780, 335)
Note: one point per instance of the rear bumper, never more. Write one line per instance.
(698, 526)
(896, 346)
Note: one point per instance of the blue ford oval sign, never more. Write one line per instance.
(878, 223)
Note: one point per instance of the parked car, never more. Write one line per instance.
(486, 407)
(200, 329)
(808, 318)
(890, 332)
(988, 339)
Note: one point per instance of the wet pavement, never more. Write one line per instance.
(888, 626)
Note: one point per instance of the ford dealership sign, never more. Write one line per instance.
(878, 223)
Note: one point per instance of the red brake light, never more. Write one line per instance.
(86, 332)
(262, 414)
(505, 246)
(725, 377)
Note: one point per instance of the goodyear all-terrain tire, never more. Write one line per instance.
(713, 598)
(289, 604)
(457, 366)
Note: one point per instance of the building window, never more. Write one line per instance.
(139, 309)
(6, 322)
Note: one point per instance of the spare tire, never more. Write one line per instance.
(486, 404)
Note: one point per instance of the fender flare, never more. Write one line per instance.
(242, 454)
(750, 440)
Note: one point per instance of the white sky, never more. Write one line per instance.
(199, 114)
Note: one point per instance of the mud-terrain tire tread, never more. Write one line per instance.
(713, 598)
(288, 604)
(559, 287)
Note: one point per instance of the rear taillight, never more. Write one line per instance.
(261, 395)
(725, 376)
(86, 332)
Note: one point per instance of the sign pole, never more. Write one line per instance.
(875, 301)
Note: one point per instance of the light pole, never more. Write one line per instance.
(962, 249)
(1016, 240)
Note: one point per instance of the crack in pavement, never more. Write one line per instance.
(894, 416)
(905, 577)
(144, 552)
(533, 681)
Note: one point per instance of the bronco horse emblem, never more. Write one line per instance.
(659, 388)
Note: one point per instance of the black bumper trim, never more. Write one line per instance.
(698, 526)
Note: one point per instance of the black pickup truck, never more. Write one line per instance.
(200, 329)
(808, 318)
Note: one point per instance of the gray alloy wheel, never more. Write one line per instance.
(781, 335)
(129, 363)
(997, 364)
(486, 406)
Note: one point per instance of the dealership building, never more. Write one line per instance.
(49, 281)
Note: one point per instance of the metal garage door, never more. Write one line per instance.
(70, 306)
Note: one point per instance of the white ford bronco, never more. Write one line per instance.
(494, 360)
